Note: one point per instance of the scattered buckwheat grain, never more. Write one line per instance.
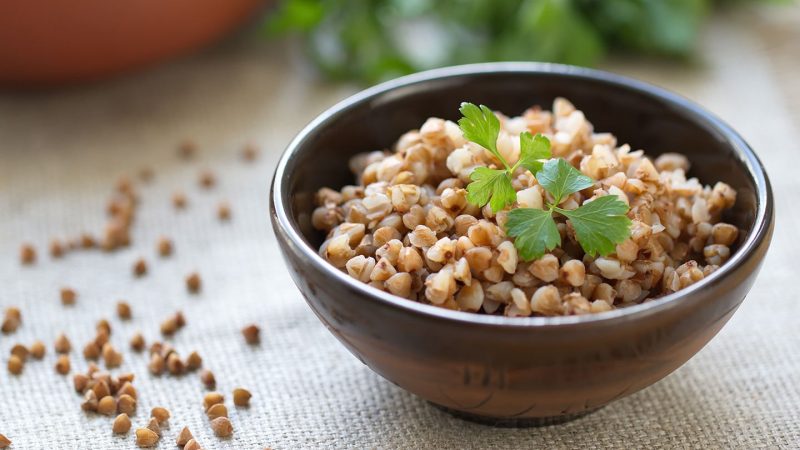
(218, 410)
(122, 424)
(80, 381)
(146, 437)
(4, 441)
(172, 324)
(101, 338)
(107, 406)
(153, 426)
(183, 437)
(38, 350)
(111, 356)
(193, 283)
(127, 389)
(126, 404)
(91, 351)
(211, 399)
(252, 334)
(174, 364)
(20, 351)
(160, 413)
(179, 200)
(104, 326)
(15, 365)
(139, 267)
(164, 246)
(192, 444)
(207, 179)
(68, 296)
(193, 362)
(241, 397)
(89, 401)
(10, 323)
(224, 211)
(27, 254)
(62, 344)
(116, 233)
(156, 365)
(100, 388)
(12, 312)
(56, 249)
(222, 427)
(208, 379)
(137, 342)
(62, 365)
(128, 376)
(123, 310)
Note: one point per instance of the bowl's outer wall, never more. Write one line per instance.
(518, 372)
(503, 371)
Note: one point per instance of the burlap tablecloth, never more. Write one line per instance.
(60, 153)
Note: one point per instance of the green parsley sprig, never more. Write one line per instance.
(599, 224)
(493, 186)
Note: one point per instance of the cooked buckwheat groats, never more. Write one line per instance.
(482, 216)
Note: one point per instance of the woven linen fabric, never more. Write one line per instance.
(61, 152)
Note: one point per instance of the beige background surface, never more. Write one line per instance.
(60, 153)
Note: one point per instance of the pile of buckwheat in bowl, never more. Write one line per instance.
(520, 216)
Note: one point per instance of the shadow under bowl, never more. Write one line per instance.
(534, 369)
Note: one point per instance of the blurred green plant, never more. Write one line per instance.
(371, 40)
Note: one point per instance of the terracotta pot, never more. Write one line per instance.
(523, 370)
(55, 42)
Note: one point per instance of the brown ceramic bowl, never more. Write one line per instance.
(534, 369)
(45, 42)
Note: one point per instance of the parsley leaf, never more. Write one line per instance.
(490, 186)
(600, 224)
(482, 127)
(561, 179)
(532, 150)
(533, 230)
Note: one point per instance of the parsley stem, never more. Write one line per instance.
(509, 170)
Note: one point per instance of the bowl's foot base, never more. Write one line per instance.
(516, 422)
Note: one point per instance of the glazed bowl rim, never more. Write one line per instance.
(294, 237)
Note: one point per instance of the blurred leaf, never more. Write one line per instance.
(296, 15)
(651, 26)
(549, 30)
(371, 40)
